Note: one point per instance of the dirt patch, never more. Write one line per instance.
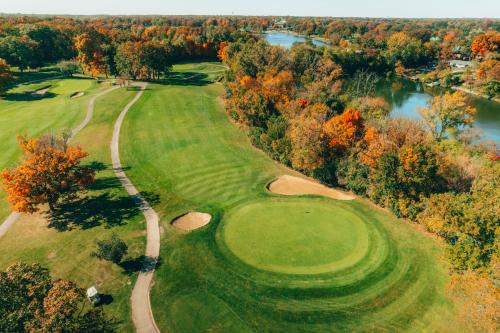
(191, 221)
(77, 94)
(290, 185)
(52, 255)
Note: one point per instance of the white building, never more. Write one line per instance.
(460, 64)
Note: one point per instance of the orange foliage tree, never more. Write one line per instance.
(344, 130)
(90, 54)
(50, 170)
(489, 70)
(487, 42)
(374, 147)
(222, 52)
(305, 133)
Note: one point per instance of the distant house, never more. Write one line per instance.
(460, 64)
(281, 24)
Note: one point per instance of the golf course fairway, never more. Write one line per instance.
(266, 262)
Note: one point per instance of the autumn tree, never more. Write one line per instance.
(305, 135)
(403, 48)
(401, 179)
(90, 53)
(468, 221)
(50, 170)
(487, 42)
(128, 59)
(344, 130)
(222, 52)
(30, 301)
(373, 107)
(447, 113)
(6, 77)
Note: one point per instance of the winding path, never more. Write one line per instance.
(12, 218)
(142, 314)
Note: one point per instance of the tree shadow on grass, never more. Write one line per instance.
(103, 183)
(88, 212)
(105, 299)
(142, 264)
(27, 96)
(100, 207)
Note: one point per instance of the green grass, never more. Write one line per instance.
(105, 209)
(20, 115)
(178, 143)
(310, 237)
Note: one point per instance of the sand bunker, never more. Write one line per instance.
(77, 94)
(191, 221)
(41, 92)
(290, 185)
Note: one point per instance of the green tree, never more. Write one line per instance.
(68, 68)
(405, 49)
(18, 51)
(492, 88)
(157, 58)
(112, 249)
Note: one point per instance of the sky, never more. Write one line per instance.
(337, 8)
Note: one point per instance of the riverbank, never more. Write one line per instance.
(475, 93)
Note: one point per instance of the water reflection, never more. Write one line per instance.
(405, 98)
(287, 40)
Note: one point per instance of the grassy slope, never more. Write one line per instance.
(35, 117)
(109, 210)
(179, 145)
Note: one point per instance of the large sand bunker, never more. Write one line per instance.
(191, 221)
(290, 185)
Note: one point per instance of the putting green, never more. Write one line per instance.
(296, 236)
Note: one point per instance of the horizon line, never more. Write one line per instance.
(252, 15)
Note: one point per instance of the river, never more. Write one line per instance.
(406, 97)
(287, 40)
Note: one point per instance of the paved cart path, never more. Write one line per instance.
(142, 314)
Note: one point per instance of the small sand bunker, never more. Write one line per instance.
(191, 221)
(77, 94)
(41, 92)
(290, 185)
